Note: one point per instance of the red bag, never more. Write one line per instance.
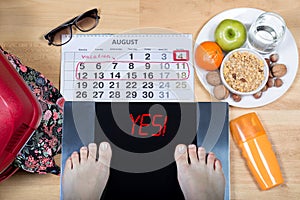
(37, 155)
(20, 115)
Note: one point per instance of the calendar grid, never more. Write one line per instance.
(156, 67)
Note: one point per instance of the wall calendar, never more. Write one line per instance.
(128, 67)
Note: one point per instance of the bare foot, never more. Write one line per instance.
(85, 176)
(201, 178)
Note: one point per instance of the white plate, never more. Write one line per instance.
(288, 55)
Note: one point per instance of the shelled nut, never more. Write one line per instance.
(236, 97)
(257, 95)
(274, 57)
(278, 82)
(270, 82)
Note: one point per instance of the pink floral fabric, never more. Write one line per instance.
(37, 156)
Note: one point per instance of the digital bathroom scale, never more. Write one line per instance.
(143, 137)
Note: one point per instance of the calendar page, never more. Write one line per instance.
(128, 67)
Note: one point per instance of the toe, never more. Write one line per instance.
(68, 164)
(211, 160)
(75, 159)
(92, 151)
(201, 155)
(83, 154)
(181, 156)
(105, 153)
(218, 165)
(193, 153)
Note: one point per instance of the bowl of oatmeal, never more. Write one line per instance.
(244, 71)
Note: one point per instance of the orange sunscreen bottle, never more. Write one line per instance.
(250, 136)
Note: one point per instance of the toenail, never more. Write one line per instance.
(181, 149)
(103, 146)
(75, 153)
(201, 149)
(191, 146)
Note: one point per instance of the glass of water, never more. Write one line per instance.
(266, 33)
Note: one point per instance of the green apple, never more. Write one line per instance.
(230, 34)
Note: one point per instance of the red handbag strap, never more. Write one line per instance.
(8, 172)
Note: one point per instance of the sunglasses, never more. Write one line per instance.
(84, 22)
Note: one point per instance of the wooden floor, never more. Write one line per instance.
(23, 23)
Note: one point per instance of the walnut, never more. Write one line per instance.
(279, 70)
(221, 92)
(213, 78)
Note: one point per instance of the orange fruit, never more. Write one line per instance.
(209, 55)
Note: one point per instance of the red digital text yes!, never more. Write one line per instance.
(158, 121)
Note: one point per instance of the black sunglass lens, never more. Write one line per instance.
(86, 23)
(57, 36)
